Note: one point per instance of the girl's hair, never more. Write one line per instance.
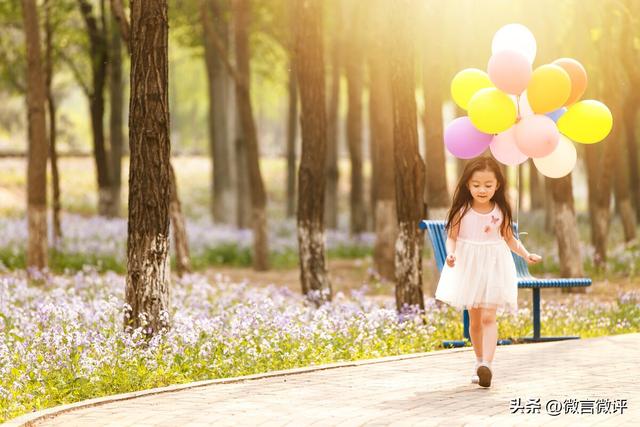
(462, 197)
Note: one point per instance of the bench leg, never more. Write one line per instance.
(536, 322)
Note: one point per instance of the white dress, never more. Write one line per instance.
(484, 274)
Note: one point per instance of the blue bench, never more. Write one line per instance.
(437, 234)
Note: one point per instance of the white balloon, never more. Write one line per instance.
(515, 37)
(560, 162)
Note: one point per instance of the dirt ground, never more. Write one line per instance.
(346, 275)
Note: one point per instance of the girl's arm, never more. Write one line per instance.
(516, 246)
(450, 244)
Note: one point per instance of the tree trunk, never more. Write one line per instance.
(51, 104)
(179, 229)
(536, 189)
(99, 57)
(148, 281)
(409, 166)
(432, 78)
(566, 229)
(381, 121)
(292, 119)
(214, 25)
(621, 188)
(630, 122)
(332, 171)
(313, 121)
(548, 208)
(243, 99)
(116, 131)
(37, 153)
(355, 74)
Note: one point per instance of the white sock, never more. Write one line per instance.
(478, 361)
(488, 363)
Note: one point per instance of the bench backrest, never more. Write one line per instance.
(438, 237)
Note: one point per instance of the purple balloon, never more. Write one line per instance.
(556, 114)
(463, 140)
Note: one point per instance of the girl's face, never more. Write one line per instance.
(482, 186)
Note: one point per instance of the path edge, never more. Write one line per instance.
(30, 419)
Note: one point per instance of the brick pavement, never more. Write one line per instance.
(432, 389)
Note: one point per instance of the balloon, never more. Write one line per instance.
(510, 71)
(466, 83)
(536, 136)
(561, 160)
(578, 76)
(515, 37)
(463, 140)
(549, 88)
(587, 121)
(504, 149)
(492, 111)
(556, 114)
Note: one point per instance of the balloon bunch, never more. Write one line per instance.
(519, 113)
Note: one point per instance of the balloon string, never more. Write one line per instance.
(518, 108)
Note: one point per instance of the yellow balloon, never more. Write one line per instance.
(466, 83)
(549, 88)
(587, 121)
(492, 111)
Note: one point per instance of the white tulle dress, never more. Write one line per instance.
(484, 274)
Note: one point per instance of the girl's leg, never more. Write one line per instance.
(475, 330)
(489, 333)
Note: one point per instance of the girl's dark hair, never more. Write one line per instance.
(462, 197)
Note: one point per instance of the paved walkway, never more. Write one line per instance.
(432, 389)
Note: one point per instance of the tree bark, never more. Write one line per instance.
(51, 104)
(292, 118)
(179, 229)
(243, 99)
(630, 121)
(381, 121)
(218, 82)
(355, 75)
(409, 166)
(566, 229)
(148, 281)
(332, 171)
(98, 52)
(309, 57)
(37, 154)
(116, 130)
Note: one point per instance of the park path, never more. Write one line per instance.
(600, 375)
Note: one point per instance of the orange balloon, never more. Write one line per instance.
(578, 77)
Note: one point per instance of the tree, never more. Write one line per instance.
(354, 59)
(432, 78)
(409, 166)
(37, 156)
(241, 13)
(116, 104)
(566, 229)
(51, 105)
(331, 169)
(147, 288)
(216, 30)
(99, 56)
(309, 68)
(381, 122)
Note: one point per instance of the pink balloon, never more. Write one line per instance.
(504, 149)
(536, 136)
(510, 71)
(463, 140)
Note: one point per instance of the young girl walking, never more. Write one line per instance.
(480, 274)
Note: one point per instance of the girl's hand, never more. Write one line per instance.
(534, 258)
(451, 260)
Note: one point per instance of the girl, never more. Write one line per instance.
(480, 274)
